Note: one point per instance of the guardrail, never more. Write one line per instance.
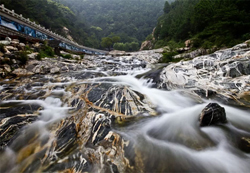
(19, 18)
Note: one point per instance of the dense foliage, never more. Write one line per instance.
(209, 23)
(53, 16)
(131, 20)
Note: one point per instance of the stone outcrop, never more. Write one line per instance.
(146, 45)
(212, 114)
(225, 72)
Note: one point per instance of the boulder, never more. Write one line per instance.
(212, 114)
(33, 55)
(15, 42)
(4, 42)
(11, 48)
(7, 68)
(21, 72)
(37, 45)
(244, 144)
(146, 45)
(55, 70)
(22, 44)
(6, 51)
(64, 69)
(8, 39)
(117, 53)
(188, 43)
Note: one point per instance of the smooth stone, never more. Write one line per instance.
(212, 114)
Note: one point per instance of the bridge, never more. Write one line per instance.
(12, 24)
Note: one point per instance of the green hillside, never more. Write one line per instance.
(221, 23)
(131, 20)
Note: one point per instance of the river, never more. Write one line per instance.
(110, 117)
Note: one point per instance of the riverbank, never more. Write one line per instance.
(127, 114)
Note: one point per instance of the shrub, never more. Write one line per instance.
(49, 51)
(27, 47)
(39, 57)
(168, 57)
(68, 56)
(45, 51)
(1, 47)
(159, 44)
(207, 45)
(22, 56)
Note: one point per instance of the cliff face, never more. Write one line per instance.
(148, 44)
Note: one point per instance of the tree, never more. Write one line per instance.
(106, 42)
(167, 7)
(115, 39)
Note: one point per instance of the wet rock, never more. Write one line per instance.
(100, 128)
(66, 137)
(245, 144)
(205, 93)
(117, 53)
(4, 42)
(212, 114)
(236, 69)
(15, 42)
(11, 48)
(55, 70)
(7, 68)
(8, 39)
(64, 69)
(22, 44)
(10, 127)
(22, 72)
(32, 55)
(192, 54)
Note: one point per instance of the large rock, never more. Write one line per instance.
(212, 114)
(146, 45)
(55, 70)
(11, 48)
(22, 72)
(244, 144)
(4, 42)
(117, 53)
(7, 68)
(8, 39)
(33, 55)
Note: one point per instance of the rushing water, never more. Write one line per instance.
(162, 126)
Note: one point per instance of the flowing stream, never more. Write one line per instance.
(109, 117)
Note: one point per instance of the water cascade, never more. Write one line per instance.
(128, 114)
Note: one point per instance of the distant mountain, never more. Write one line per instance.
(54, 16)
(132, 20)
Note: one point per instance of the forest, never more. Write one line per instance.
(131, 20)
(208, 23)
(124, 25)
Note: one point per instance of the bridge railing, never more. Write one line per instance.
(43, 29)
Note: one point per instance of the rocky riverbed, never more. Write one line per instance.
(125, 113)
